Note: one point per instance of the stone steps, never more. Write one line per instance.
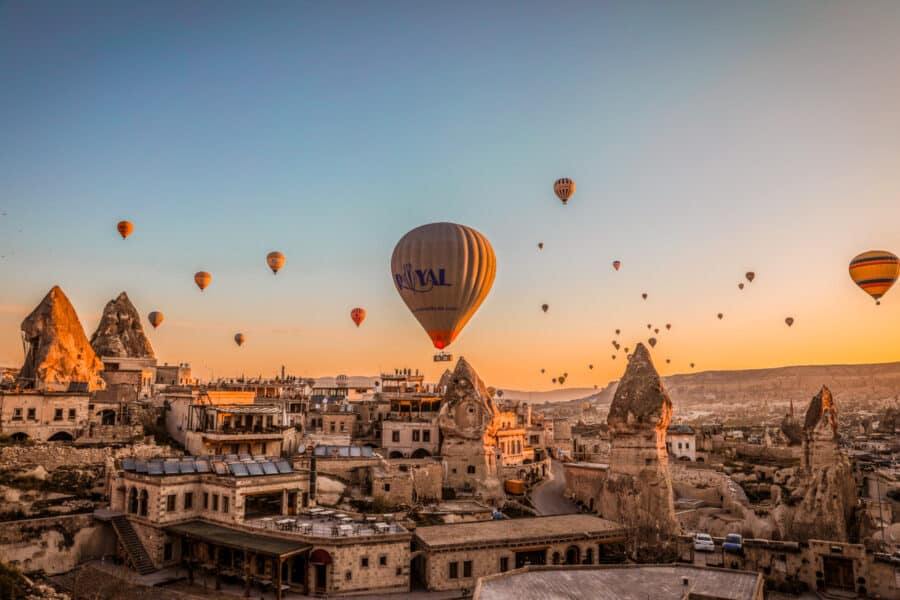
(137, 554)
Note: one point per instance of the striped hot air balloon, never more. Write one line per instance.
(358, 315)
(443, 272)
(275, 260)
(156, 318)
(564, 188)
(202, 279)
(124, 228)
(875, 271)
(239, 339)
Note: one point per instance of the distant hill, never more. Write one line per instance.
(560, 395)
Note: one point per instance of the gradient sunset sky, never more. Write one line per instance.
(706, 139)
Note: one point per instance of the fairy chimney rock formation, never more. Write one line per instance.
(58, 356)
(468, 421)
(637, 491)
(120, 333)
(820, 431)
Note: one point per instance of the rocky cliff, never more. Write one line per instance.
(120, 333)
(58, 353)
(638, 490)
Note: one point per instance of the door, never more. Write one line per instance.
(321, 581)
(838, 573)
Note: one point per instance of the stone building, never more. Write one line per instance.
(681, 442)
(638, 490)
(411, 438)
(49, 416)
(468, 422)
(251, 519)
(455, 556)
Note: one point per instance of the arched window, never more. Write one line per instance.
(556, 558)
(132, 505)
(143, 504)
(589, 556)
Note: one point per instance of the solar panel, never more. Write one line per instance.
(283, 466)
(128, 464)
(254, 468)
(367, 450)
(187, 467)
(355, 451)
(231, 457)
(269, 469)
(244, 456)
(140, 466)
(219, 467)
(170, 468)
(239, 469)
(155, 467)
(202, 466)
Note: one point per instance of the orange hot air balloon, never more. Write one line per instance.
(239, 339)
(750, 275)
(652, 342)
(875, 272)
(443, 272)
(545, 307)
(125, 228)
(156, 318)
(202, 279)
(644, 295)
(789, 321)
(617, 264)
(358, 315)
(564, 188)
(275, 260)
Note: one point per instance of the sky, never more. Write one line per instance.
(706, 139)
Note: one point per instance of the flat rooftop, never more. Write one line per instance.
(622, 582)
(512, 530)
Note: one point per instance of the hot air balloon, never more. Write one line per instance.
(554, 380)
(656, 330)
(617, 345)
(614, 357)
(644, 295)
(156, 318)
(275, 260)
(692, 365)
(875, 272)
(590, 366)
(124, 228)
(358, 315)
(443, 271)
(564, 188)
(668, 326)
(789, 321)
(561, 380)
(626, 350)
(750, 275)
(239, 339)
(540, 245)
(720, 315)
(618, 331)
(652, 342)
(649, 325)
(545, 307)
(542, 371)
(617, 264)
(202, 279)
(740, 286)
(668, 361)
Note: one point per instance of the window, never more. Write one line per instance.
(348, 575)
(387, 487)
(679, 445)
(382, 560)
(395, 435)
(188, 500)
(32, 414)
(215, 502)
(224, 504)
(504, 564)
(71, 414)
(454, 570)
(342, 426)
(17, 414)
(399, 571)
(205, 500)
(470, 469)
(364, 562)
(167, 551)
(332, 431)
(170, 502)
(426, 436)
(467, 568)
(57, 414)
(415, 435)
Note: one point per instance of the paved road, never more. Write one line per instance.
(548, 497)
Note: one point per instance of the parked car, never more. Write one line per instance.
(703, 542)
(733, 544)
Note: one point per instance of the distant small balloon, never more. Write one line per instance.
(554, 380)
(124, 228)
(564, 188)
(644, 296)
(692, 365)
(656, 330)
(750, 275)
(540, 245)
(239, 339)
(545, 307)
(741, 286)
(562, 379)
(617, 264)
(652, 342)
(668, 361)
(789, 321)
(618, 331)
(590, 366)
(156, 318)
(668, 326)
(202, 279)
(649, 325)
(720, 315)
(358, 315)
(275, 260)
(542, 371)
(626, 350)
(614, 357)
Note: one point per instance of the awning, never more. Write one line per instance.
(236, 539)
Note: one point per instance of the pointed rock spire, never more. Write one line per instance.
(822, 413)
(640, 398)
(465, 388)
(57, 350)
(120, 333)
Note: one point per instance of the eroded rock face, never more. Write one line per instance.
(468, 421)
(638, 490)
(58, 352)
(120, 333)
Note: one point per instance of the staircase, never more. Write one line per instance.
(135, 550)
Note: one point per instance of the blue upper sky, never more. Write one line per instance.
(706, 138)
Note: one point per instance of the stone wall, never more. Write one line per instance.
(57, 544)
(52, 456)
(392, 576)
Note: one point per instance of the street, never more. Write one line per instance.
(548, 498)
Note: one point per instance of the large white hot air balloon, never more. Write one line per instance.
(443, 271)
